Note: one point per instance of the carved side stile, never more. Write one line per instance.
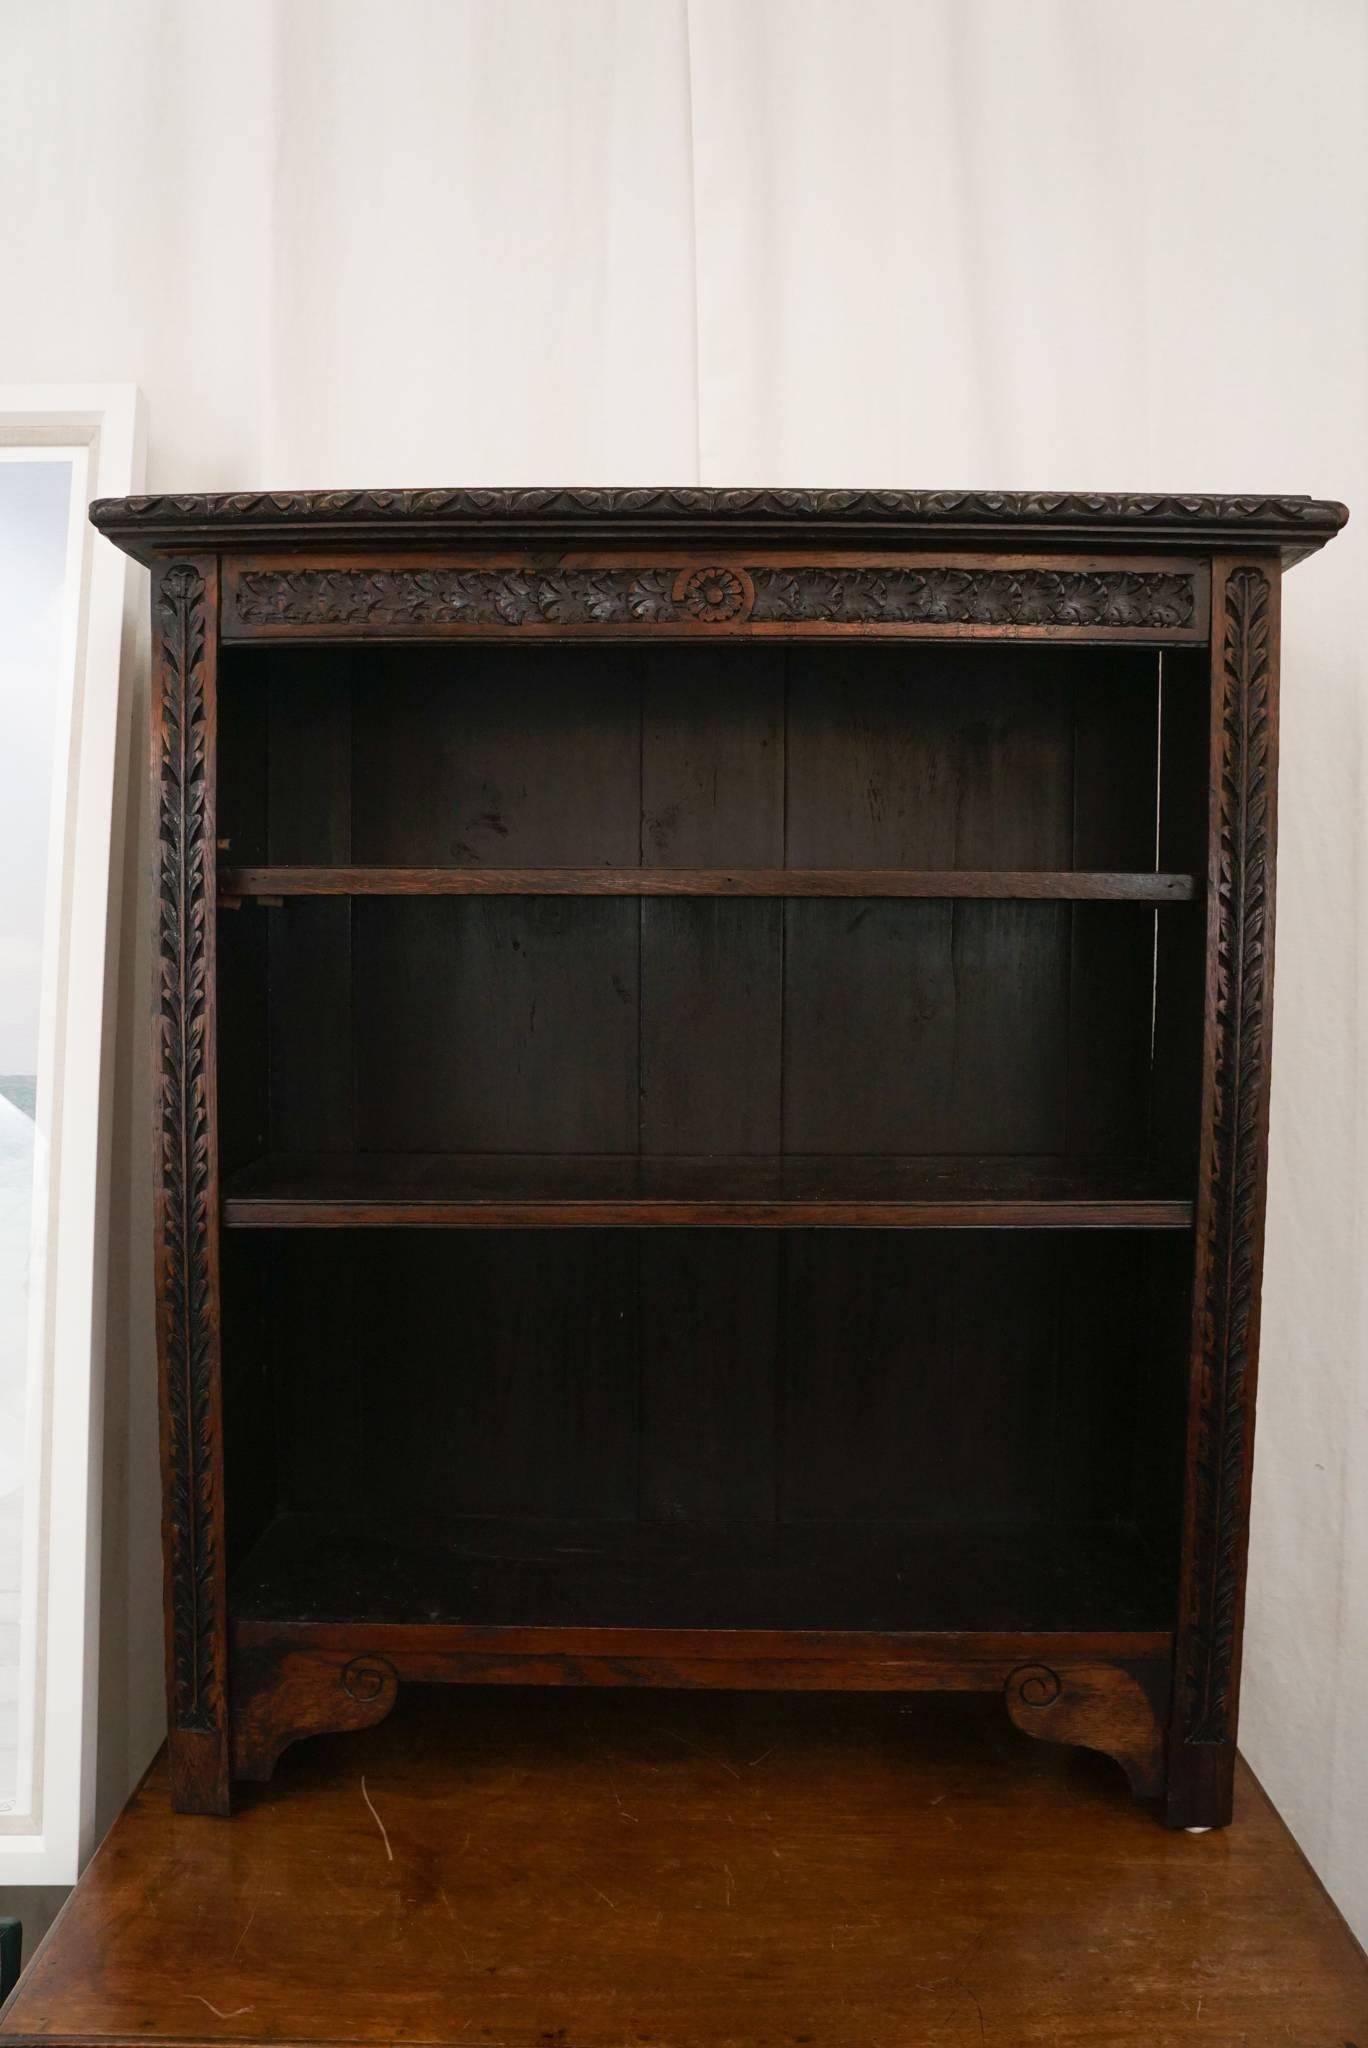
(187, 1204)
(1231, 1196)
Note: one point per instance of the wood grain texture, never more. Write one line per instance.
(1101, 1691)
(710, 1870)
(982, 883)
(185, 1186)
(1231, 1187)
(439, 1575)
(1100, 1706)
(495, 1191)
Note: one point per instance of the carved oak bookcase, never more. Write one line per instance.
(712, 1090)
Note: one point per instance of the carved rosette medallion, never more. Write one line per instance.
(712, 596)
(185, 1193)
(1228, 1310)
(715, 596)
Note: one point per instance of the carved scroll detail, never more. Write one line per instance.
(281, 1697)
(1098, 1706)
(711, 596)
(1229, 1306)
(187, 1307)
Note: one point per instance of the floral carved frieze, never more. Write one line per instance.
(711, 595)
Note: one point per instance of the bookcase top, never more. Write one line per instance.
(148, 527)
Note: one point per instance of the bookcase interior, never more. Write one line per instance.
(706, 1429)
(787, 1426)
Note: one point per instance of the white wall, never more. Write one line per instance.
(783, 241)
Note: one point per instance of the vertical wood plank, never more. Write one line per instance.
(710, 1025)
(500, 1377)
(310, 818)
(497, 1024)
(712, 758)
(185, 1180)
(927, 1026)
(708, 1343)
(497, 756)
(1231, 1187)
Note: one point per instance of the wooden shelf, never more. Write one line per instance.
(501, 1192)
(1043, 884)
(515, 1573)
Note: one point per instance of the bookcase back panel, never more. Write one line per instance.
(969, 1380)
(920, 756)
(689, 1026)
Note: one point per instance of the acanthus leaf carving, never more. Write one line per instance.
(667, 505)
(717, 595)
(186, 1191)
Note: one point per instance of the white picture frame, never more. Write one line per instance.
(48, 1835)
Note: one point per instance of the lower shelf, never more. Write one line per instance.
(509, 1191)
(330, 1618)
(532, 1576)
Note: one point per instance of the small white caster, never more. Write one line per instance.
(1196, 1831)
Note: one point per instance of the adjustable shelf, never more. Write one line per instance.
(1022, 884)
(499, 1192)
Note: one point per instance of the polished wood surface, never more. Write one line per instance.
(676, 1872)
(498, 1192)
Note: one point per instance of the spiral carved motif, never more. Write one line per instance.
(1035, 1685)
(366, 1678)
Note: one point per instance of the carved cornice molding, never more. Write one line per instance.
(238, 518)
(683, 503)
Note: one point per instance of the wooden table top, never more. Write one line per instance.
(616, 1870)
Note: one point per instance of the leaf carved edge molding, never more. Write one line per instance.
(1228, 1317)
(713, 596)
(186, 1224)
(658, 503)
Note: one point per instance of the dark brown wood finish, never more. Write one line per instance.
(758, 596)
(530, 1867)
(529, 1191)
(1071, 522)
(1231, 1188)
(186, 1180)
(1104, 1691)
(801, 896)
(976, 883)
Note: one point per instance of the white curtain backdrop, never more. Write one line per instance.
(1115, 244)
